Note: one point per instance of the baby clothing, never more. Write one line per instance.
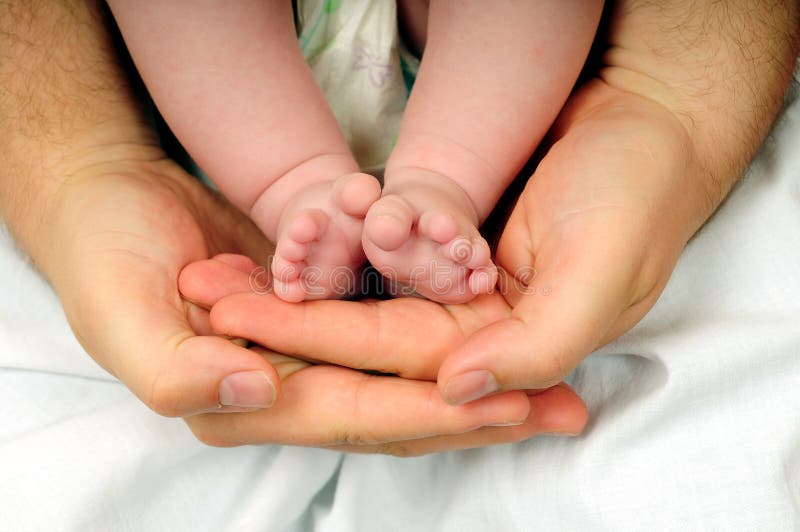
(358, 59)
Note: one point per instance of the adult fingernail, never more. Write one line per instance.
(470, 386)
(247, 389)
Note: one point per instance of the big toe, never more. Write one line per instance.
(354, 194)
(388, 223)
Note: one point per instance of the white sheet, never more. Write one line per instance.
(695, 421)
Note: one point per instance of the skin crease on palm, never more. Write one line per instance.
(121, 222)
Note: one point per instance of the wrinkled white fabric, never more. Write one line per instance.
(694, 417)
(354, 51)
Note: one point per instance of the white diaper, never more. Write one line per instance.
(357, 57)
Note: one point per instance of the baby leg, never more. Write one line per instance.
(493, 77)
(232, 84)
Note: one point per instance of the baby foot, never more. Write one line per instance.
(424, 235)
(318, 251)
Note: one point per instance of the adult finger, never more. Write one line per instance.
(155, 352)
(557, 410)
(207, 281)
(574, 301)
(353, 408)
(406, 336)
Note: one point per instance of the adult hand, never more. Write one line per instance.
(122, 230)
(110, 222)
(127, 233)
(641, 157)
(107, 219)
(589, 245)
(333, 405)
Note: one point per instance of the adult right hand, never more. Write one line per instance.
(122, 230)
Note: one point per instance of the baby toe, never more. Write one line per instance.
(481, 254)
(308, 225)
(482, 281)
(354, 194)
(284, 270)
(388, 223)
(438, 226)
(291, 250)
(459, 250)
(291, 292)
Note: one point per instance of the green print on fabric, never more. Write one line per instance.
(328, 7)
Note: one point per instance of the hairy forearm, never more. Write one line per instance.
(64, 107)
(721, 68)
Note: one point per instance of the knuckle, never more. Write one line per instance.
(555, 361)
(206, 434)
(551, 370)
(519, 433)
(545, 364)
(354, 436)
(398, 450)
(346, 436)
(162, 395)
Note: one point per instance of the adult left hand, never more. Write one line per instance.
(589, 245)
(641, 157)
